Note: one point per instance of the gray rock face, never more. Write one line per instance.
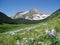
(33, 14)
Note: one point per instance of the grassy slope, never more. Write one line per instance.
(54, 20)
(11, 27)
(5, 19)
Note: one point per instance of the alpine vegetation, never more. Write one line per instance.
(35, 28)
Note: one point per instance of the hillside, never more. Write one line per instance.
(54, 19)
(5, 19)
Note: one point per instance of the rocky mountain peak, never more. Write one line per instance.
(33, 14)
(35, 11)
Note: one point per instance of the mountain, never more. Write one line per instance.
(5, 19)
(32, 14)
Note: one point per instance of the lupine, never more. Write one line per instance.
(48, 32)
(51, 33)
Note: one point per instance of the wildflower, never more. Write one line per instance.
(23, 33)
(24, 38)
(48, 32)
(31, 38)
(12, 33)
(18, 42)
(40, 42)
(28, 29)
(53, 32)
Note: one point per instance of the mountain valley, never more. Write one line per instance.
(29, 27)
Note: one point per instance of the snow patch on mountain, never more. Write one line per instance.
(33, 14)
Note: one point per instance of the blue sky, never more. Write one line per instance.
(10, 7)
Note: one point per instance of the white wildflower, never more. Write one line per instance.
(18, 42)
(40, 42)
(53, 32)
(24, 38)
(48, 32)
(28, 29)
(12, 33)
(31, 38)
(23, 33)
